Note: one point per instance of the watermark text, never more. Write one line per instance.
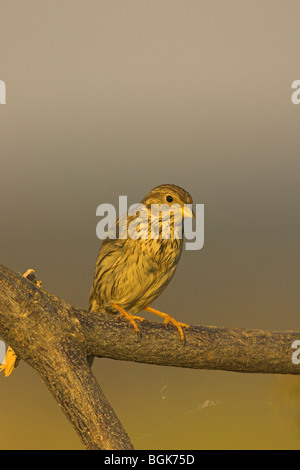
(296, 93)
(2, 351)
(2, 92)
(160, 221)
(296, 354)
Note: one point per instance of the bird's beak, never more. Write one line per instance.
(187, 212)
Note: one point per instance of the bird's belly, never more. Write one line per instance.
(136, 282)
(134, 303)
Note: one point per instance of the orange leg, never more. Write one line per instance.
(169, 319)
(127, 315)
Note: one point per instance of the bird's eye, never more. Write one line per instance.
(169, 199)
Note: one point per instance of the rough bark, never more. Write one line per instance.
(55, 338)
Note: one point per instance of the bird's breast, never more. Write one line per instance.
(163, 254)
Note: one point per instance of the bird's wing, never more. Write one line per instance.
(123, 274)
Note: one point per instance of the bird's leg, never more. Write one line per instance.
(127, 315)
(169, 319)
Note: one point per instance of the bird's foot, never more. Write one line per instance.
(9, 362)
(169, 319)
(130, 318)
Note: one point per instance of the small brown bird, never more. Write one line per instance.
(131, 273)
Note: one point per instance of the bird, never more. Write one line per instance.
(130, 273)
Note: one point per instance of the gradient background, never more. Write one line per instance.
(110, 97)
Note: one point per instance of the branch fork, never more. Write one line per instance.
(55, 339)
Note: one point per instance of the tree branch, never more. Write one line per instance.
(56, 338)
(41, 330)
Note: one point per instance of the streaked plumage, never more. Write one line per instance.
(133, 273)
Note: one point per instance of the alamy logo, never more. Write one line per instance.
(2, 351)
(2, 92)
(296, 94)
(296, 354)
(157, 222)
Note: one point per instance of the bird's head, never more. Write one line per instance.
(170, 194)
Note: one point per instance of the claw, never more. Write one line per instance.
(129, 317)
(169, 319)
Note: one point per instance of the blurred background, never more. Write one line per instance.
(113, 97)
